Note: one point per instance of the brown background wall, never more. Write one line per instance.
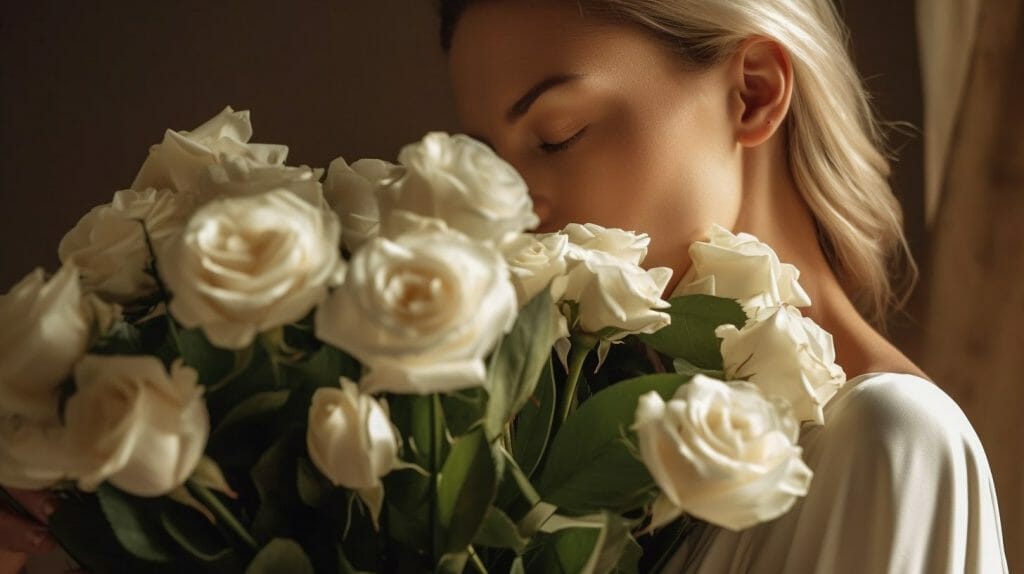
(86, 87)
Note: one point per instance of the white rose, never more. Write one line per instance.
(785, 355)
(721, 452)
(33, 455)
(616, 293)
(741, 267)
(625, 245)
(180, 160)
(463, 182)
(352, 193)
(135, 425)
(537, 261)
(46, 328)
(421, 311)
(240, 177)
(249, 264)
(350, 437)
(108, 244)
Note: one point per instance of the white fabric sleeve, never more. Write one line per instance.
(901, 485)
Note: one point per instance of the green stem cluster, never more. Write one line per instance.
(436, 438)
(225, 518)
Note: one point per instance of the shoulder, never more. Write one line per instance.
(893, 400)
(899, 409)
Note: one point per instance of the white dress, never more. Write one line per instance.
(901, 485)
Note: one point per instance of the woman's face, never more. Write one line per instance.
(603, 122)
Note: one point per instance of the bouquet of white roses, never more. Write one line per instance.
(249, 366)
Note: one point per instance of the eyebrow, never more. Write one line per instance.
(523, 104)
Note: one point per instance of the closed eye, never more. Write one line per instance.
(562, 145)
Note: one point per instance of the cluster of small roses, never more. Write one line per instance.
(415, 270)
(727, 452)
(440, 266)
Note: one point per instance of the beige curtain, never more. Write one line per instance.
(973, 287)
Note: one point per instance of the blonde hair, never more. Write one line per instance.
(836, 148)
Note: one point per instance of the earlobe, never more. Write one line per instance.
(763, 78)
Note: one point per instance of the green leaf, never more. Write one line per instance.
(241, 435)
(691, 335)
(136, 524)
(615, 542)
(567, 552)
(412, 415)
(82, 529)
(466, 488)
(194, 534)
(595, 544)
(464, 410)
(518, 361)
(629, 561)
(516, 495)
(275, 476)
(684, 367)
(311, 484)
(281, 555)
(407, 508)
(258, 408)
(532, 427)
(499, 531)
(212, 363)
(591, 465)
(452, 563)
(327, 365)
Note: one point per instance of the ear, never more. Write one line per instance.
(762, 86)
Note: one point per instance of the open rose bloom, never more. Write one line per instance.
(245, 365)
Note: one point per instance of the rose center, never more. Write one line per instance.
(415, 294)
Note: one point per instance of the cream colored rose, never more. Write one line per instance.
(741, 267)
(135, 425)
(180, 159)
(46, 328)
(108, 244)
(245, 265)
(241, 177)
(625, 245)
(537, 261)
(350, 437)
(421, 311)
(351, 190)
(721, 452)
(785, 355)
(463, 182)
(612, 290)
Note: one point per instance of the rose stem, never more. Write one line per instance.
(436, 419)
(581, 347)
(224, 516)
(475, 560)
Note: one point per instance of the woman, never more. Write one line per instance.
(666, 116)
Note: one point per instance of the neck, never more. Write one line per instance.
(775, 212)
